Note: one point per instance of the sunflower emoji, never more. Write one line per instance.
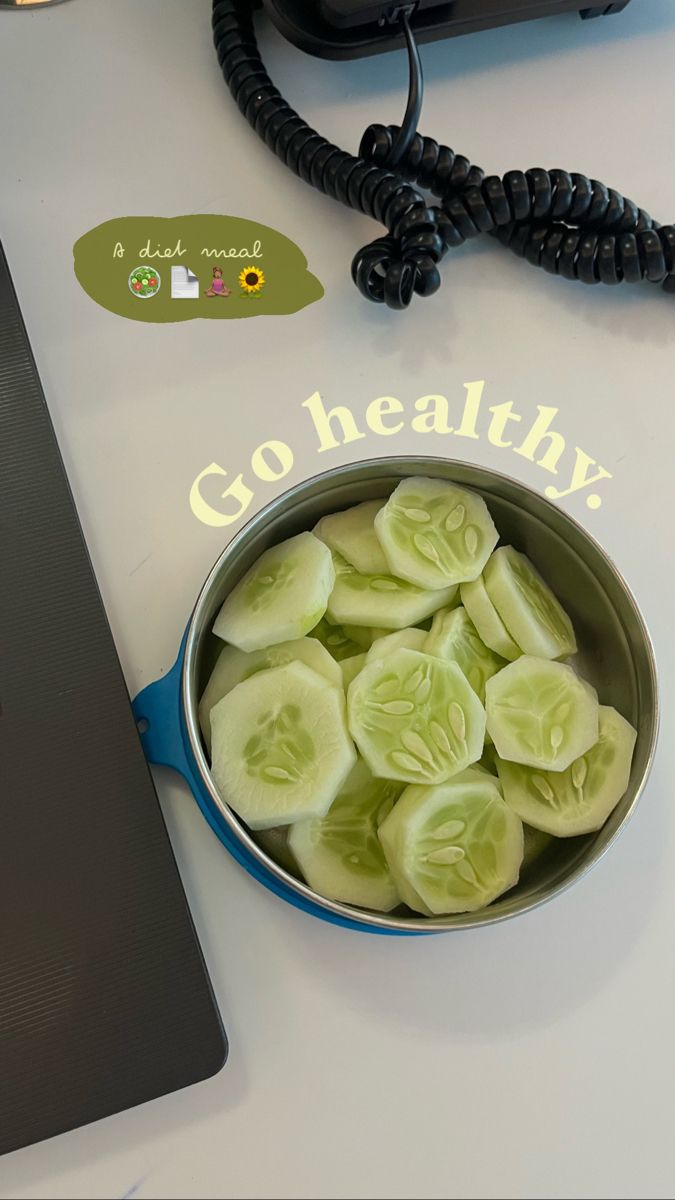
(251, 279)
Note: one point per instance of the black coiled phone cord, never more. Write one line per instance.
(567, 224)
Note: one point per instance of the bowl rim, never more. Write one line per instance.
(387, 922)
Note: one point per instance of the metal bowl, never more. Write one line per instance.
(615, 654)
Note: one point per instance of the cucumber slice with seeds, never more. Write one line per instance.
(454, 636)
(233, 666)
(282, 596)
(580, 799)
(350, 668)
(415, 718)
(458, 845)
(335, 640)
(531, 613)
(489, 625)
(380, 600)
(280, 746)
(541, 714)
(405, 889)
(410, 639)
(434, 533)
(352, 535)
(340, 855)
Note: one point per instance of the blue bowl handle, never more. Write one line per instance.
(157, 710)
(161, 726)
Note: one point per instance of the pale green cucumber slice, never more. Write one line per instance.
(350, 668)
(364, 635)
(335, 640)
(531, 613)
(454, 636)
(408, 894)
(541, 714)
(428, 622)
(340, 855)
(458, 845)
(405, 889)
(415, 718)
(282, 596)
(280, 746)
(434, 533)
(352, 535)
(410, 639)
(489, 625)
(233, 666)
(380, 600)
(579, 799)
(535, 841)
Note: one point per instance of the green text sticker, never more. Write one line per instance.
(177, 268)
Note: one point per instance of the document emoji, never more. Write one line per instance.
(184, 285)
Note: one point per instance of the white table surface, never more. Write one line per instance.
(533, 1059)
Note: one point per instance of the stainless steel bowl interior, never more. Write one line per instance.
(615, 652)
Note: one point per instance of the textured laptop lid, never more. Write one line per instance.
(104, 997)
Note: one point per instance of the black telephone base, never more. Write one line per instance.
(339, 29)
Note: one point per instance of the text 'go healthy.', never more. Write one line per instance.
(534, 439)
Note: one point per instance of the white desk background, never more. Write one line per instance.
(530, 1060)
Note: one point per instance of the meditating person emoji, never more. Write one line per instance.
(218, 287)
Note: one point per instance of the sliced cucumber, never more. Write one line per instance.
(350, 668)
(454, 636)
(352, 535)
(408, 894)
(531, 613)
(541, 714)
(579, 799)
(280, 746)
(489, 625)
(415, 718)
(434, 533)
(340, 855)
(380, 600)
(535, 841)
(457, 844)
(335, 640)
(416, 626)
(233, 666)
(282, 596)
(410, 639)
